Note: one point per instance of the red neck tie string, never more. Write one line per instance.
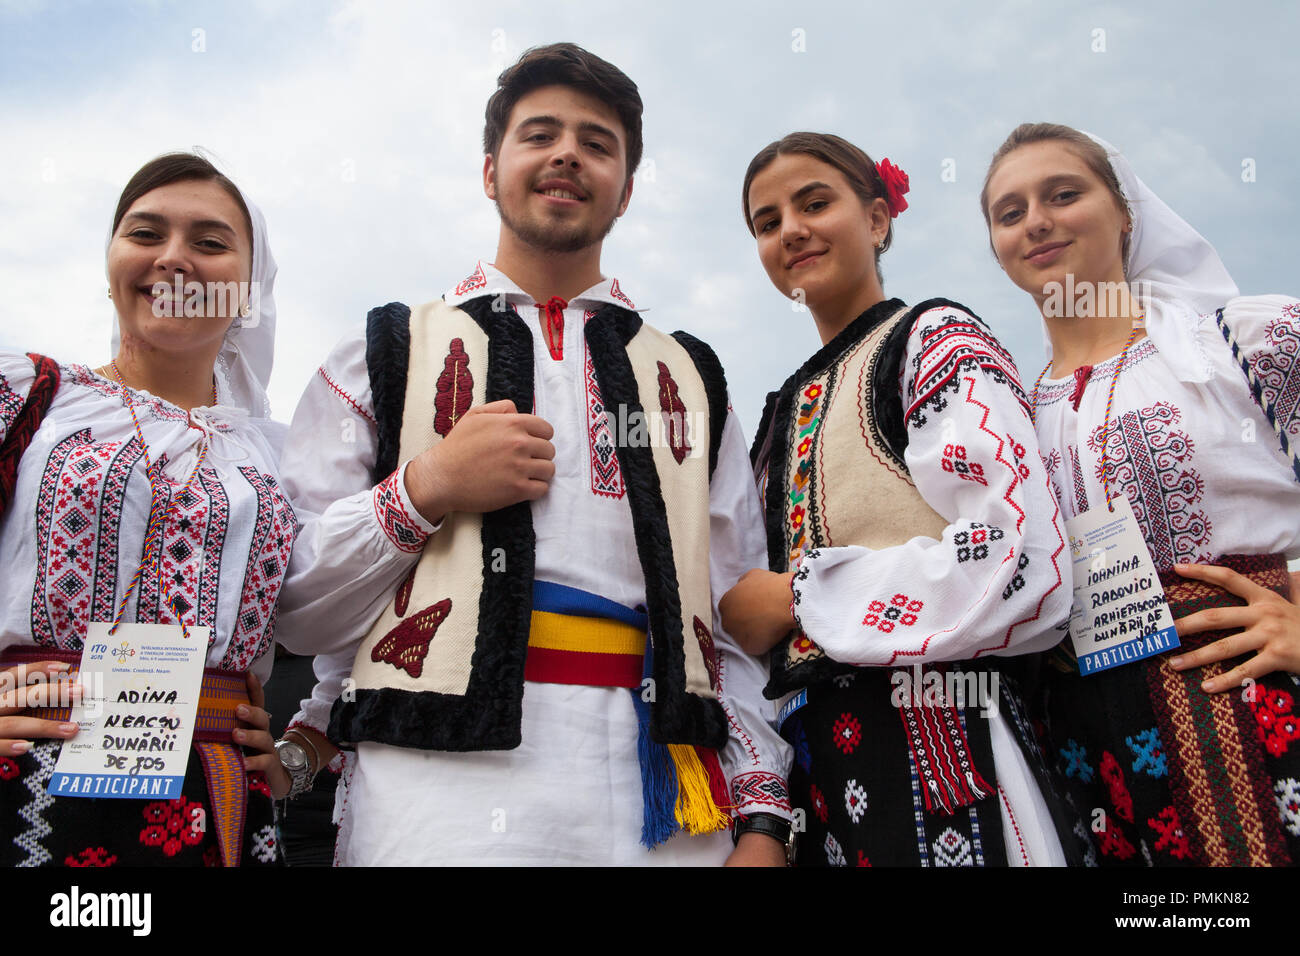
(552, 315)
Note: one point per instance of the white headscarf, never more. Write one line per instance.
(1177, 273)
(243, 367)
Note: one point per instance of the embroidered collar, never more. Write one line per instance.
(487, 279)
(851, 334)
(1055, 389)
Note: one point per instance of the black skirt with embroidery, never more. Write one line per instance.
(862, 797)
(39, 829)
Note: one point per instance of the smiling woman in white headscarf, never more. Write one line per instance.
(145, 490)
(1167, 388)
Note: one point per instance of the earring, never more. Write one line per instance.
(110, 293)
(880, 245)
(245, 311)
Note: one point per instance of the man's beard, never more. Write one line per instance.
(558, 239)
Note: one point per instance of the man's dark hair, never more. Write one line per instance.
(565, 64)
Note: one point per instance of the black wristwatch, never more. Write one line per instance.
(767, 824)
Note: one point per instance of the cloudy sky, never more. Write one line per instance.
(356, 127)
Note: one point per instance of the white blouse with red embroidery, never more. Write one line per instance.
(74, 533)
(358, 542)
(995, 583)
(1200, 464)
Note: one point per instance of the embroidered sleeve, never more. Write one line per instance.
(755, 759)
(995, 581)
(1267, 330)
(405, 527)
(357, 541)
(16, 376)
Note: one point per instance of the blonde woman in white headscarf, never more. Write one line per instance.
(145, 490)
(1167, 388)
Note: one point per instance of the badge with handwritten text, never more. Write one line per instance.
(1119, 614)
(137, 712)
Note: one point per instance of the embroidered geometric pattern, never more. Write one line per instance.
(834, 852)
(954, 462)
(1148, 754)
(900, 611)
(171, 825)
(617, 293)
(1076, 761)
(185, 555)
(847, 733)
(818, 803)
(1288, 804)
(972, 545)
(30, 840)
(1017, 580)
(65, 540)
(1172, 839)
(951, 343)
(806, 421)
(160, 491)
(1150, 464)
(268, 563)
(1080, 489)
(11, 403)
(1273, 710)
(952, 849)
(759, 788)
(91, 856)
(606, 478)
(393, 517)
(347, 399)
(1113, 776)
(265, 846)
(855, 800)
(104, 592)
(1278, 369)
(475, 280)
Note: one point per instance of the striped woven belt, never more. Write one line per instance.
(581, 638)
(223, 763)
(1214, 742)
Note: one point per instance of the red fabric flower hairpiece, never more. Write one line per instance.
(896, 184)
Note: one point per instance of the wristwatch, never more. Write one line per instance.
(293, 757)
(768, 824)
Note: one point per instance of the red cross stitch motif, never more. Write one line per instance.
(1277, 722)
(1113, 842)
(1120, 798)
(819, 803)
(901, 610)
(170, 825)
(476, 280)
(847, 732)
(1172, 838)
(954, 462)
(90, 856)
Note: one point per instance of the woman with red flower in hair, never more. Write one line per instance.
(914, 545)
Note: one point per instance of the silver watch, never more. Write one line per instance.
(293, 757)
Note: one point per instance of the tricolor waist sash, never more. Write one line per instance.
(223, 763)
(582, 638)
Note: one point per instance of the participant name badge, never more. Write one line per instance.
(1119, 614)
(139, 700)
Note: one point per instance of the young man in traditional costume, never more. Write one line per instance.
(529, 535)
